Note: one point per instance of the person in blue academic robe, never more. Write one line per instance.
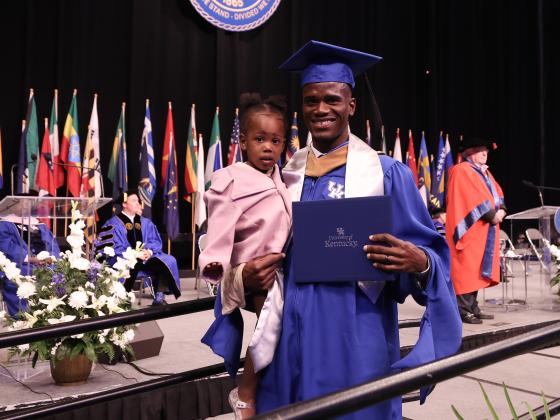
(14, 238)
(124, 230)
(336, 335)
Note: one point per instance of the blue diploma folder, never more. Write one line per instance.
(329, 237)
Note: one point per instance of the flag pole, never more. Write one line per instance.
(193, 230)
(55, 220)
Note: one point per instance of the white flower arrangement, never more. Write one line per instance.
(70, 288)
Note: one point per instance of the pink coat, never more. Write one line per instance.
(249, 215)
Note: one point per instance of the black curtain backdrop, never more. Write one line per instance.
(471, 66)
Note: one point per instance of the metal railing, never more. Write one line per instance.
(365, 395)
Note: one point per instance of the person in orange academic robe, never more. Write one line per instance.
(475, 209)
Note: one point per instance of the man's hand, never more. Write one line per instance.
(499, 216)
(259, 273)
(144, 255)
(392, 254)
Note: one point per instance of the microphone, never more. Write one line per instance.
(537, 187)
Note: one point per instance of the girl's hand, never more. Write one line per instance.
(213, 271)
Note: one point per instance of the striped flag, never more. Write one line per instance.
(191, 159)
(424, 175)
(200, 208)
(70, 149)
(45, 170)
(234, 154)
(55, 147)
(118, 168)
(293, 143)
(397, 153)
(442, 165)
(411, 157)
(214, 159)
(147, 184)
(448, 164)
(170, 192)
(22, 179)
(91, 171)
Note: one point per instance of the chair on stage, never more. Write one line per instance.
(140, 285)
(212, 288)
(537, 244)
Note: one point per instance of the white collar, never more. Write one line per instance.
(129, 216)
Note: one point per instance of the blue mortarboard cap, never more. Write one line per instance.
(321, 62)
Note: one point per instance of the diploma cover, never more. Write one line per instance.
(329, 237)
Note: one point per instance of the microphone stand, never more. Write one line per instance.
(539, 188)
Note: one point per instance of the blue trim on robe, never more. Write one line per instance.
(470, 219)
(488, 257)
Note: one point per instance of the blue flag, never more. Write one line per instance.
(147, 183)
(443, 164)
(171, 196)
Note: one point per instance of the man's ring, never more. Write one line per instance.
(386, 259)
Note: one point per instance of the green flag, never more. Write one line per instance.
(32, 140)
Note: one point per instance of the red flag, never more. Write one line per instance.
(169, 136)
(45, 172)
(411, 157)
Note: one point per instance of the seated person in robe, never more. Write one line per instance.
(124, 230)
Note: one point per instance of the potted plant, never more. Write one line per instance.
(70, 288)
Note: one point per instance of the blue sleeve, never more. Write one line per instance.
(150, 236)
(441, 328)
(10, 243)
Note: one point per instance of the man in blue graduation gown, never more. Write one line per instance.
(336, 335)
(14, 236)
(128, 227)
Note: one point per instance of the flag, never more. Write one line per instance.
(170, 192)
(444, 163)
(55, 147)
(22, 180)
(45, 170)
(293, 144)
(1, 164)
(411, 157)
(32, 140)
(448, 164)
(234, 153)
(118, 168)
(424, 175)
(169, 134)
(200, 208)
(214, 159)
(70, 150)
(191, 160)
(383, 141)
(397, 154)
(91, 171)
(147, 184)
(368, 133)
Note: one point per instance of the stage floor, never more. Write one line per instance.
(526, 375)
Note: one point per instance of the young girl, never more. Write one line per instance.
(249, 216)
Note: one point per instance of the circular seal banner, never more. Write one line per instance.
(236, 15)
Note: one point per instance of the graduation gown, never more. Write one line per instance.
(15, 249)
(474, 243)
(120, 233)
(338, 335)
